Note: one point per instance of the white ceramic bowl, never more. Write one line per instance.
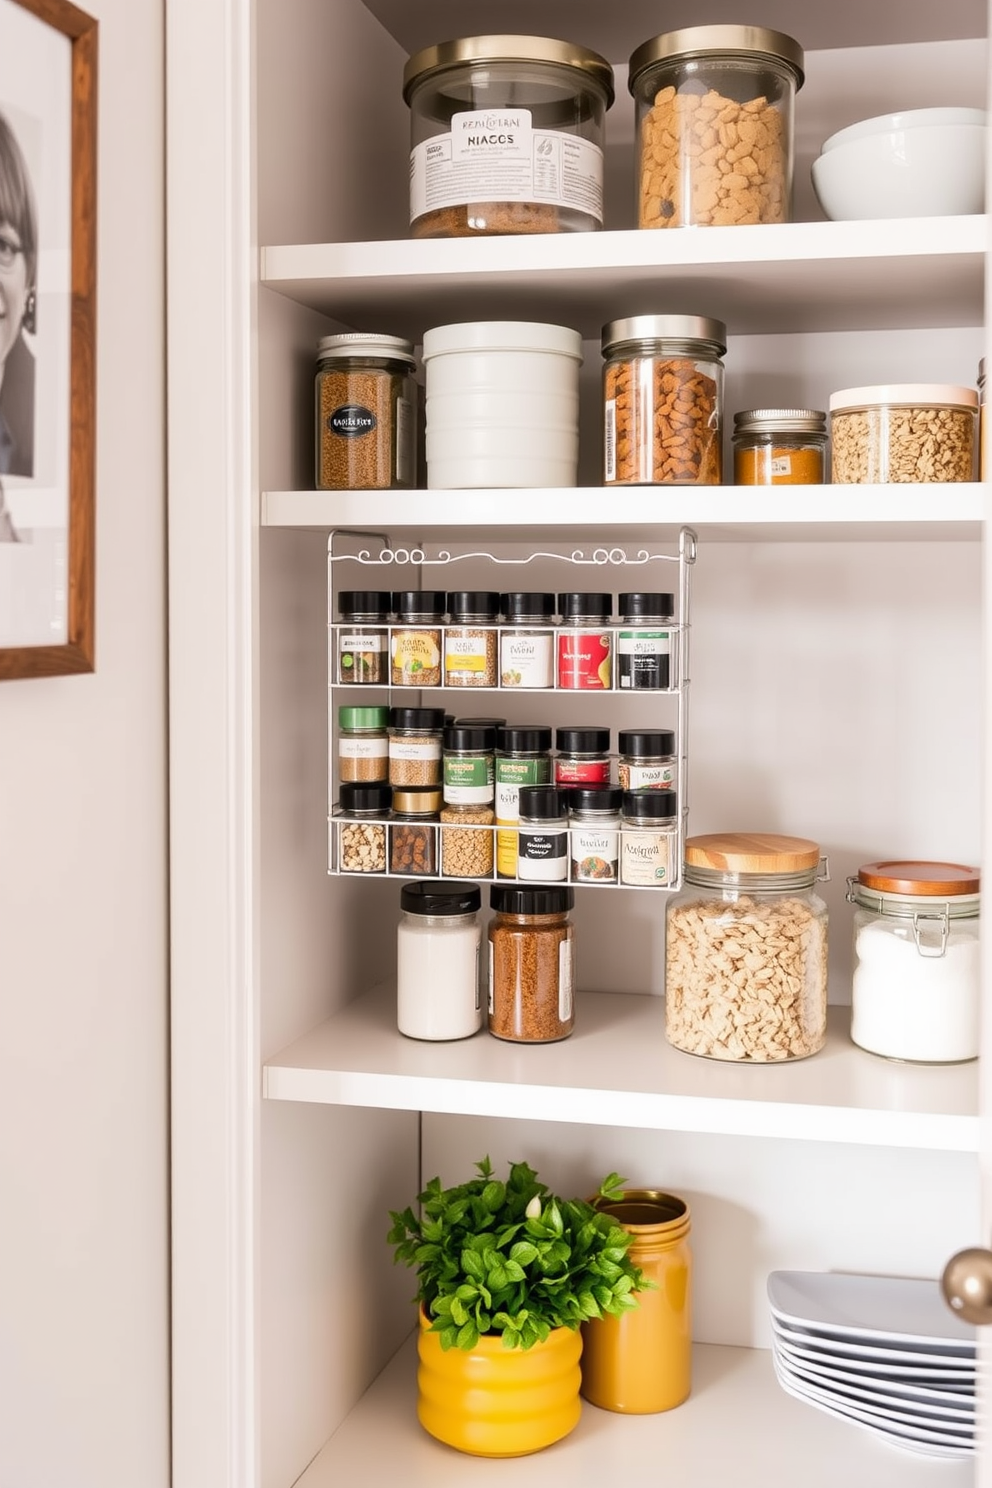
(924, 171)
(907, 119)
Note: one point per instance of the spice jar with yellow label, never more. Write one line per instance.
(415, 639)
(779, 447)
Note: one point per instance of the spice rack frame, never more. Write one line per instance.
(388, 559)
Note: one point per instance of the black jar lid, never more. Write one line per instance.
(472, 604)
(543, 802)
(575, 604)
(646, 741)
(472, 737)
(582, 740)
(353, 797)
(524, 738)
(657, 804)
(441, 897)
(431, 719)
(527, 604)
(419, 604)
(634, 606)
(480, 722)
(510, 899)
(594, 798)
(374, 604)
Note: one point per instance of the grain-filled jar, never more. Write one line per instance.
(542, 841)
(366, 413)
(412, 833)
(438, 941)
(779, 447)
(917, 986)
(649, 838)
(531, 963)
(415, 639)
(644, 642)
(641, 1362)
(594, 833)
(585, 642)
(469, 778)
(903, 433)
(527, 640)
(582, 756)
(523, 757)
(415, 746)
(646, 759)
(362, 638)
(663, 400)
(746, 950)
(361, 826)
(363, 745)
(715, 109)
(506, 136)
(471, 639)
(467, 841)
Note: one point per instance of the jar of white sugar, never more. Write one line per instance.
(916, 991)
(437, 960)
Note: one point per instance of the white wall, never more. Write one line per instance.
(83, 972)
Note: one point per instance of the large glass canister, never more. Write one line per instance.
(641, 1362)
(663, 400)
(715, 126)
(916, 989)
(746, 950)
(906, 433)
(507, 136)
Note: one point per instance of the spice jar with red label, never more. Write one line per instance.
(585, 642)
(583, 756)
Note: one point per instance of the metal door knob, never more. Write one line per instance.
(967, 1285)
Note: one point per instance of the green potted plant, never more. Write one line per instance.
(507, 1273)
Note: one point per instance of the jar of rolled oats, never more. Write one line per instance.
(903, 433)
(746, 949)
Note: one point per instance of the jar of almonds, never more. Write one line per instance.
(746, 952)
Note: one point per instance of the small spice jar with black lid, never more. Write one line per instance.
(362, 827)
(468, 770)
(363, 746)
(646, 760)
(363, 636)
(366, 407)
(523, 757)
(585, 642)
(644, 642)
(415, 746)
(415, 638)
(542, 841)
(527, 640)
(649, 837)
(594, 833)
(531, 963)
(583, 756)
(471, 640)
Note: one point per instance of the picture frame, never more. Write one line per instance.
(48, 171)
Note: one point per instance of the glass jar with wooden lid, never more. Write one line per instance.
(779, 447)
(746, 949)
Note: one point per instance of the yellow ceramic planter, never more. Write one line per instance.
(498, 1402)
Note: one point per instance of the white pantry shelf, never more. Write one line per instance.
(738, 1429)
(870, 513)
(808, 276)
(617, 1069)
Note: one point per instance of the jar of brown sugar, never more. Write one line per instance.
(531, 964)
(366, 404)
(779, 447)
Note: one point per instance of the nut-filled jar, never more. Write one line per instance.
(779, 447)
(438, 941)
(715, 111)
(746, 950)
(647, 759)
(415, 746)
(903, 433)
(363, 745)
(361, 828)
(527, 640)
(471, 639)
(585, 642)
(644, 642)
(366, 413)
(663, 400)
(363, 637)
(523, 757)
(506, 136)
(649, 838)
(531, 963)
(412, 833)
(917, 986)
(467, 841)
(583, 756)
(415, 639)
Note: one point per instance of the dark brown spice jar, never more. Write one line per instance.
(531, 964)
(366, 413)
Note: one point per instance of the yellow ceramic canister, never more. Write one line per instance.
(641, 1362)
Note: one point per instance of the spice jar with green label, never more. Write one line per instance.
(523, 757)
(366, 403)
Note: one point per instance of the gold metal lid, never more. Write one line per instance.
(466, 49)
(728, 41)
(751, 852)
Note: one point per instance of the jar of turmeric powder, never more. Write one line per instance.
(779, 447)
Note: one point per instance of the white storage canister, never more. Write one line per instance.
(437, 960)
(903, 433)
(502, 405)
(916, 992)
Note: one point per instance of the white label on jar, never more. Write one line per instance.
(492, 981)
(465, 654)
(594, 854)
(646, 857)
(543, 854)
(527, 660)
(565, 981)
(610, 440)
(507, 803)
(497, 157)
(405, 450)
(399, 749)
(362, 642)
(781, 465)
(644, 643)
(363, 748)
(646, 777)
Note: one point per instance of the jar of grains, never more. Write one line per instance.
(904, 432)
(438, 941)
(507, 136)
(366, 405)
(523, 757)
(415, 746)
(594, 833)
(542, 841)
(779, 447)
(412, 833)
(363, 636)
(531, 963)
(468, 765)
(649, 838)
(467, 841)
(715, 111)
(362, 828)
(527, 641)
(917, 984)
(583, 756)
(471, 639)
(644, 642)
(585, 642)
(746, 950)
(663, 400)
(363, 745)
(646, 760)
(415, 639)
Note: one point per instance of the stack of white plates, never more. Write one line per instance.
(883, 1352)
